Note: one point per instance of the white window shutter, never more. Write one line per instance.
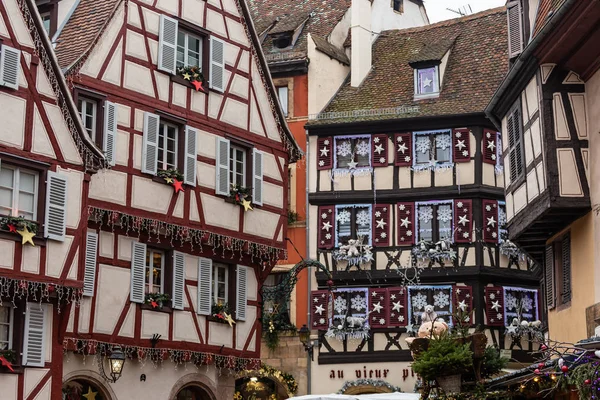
(34, 343)
(167, 46)
(150, 143)
(138, 272)
(515, 28)
(222, 167)
(10, 60)
(257, 177)
(110, 131)
(205, 269)
(190, 165)
(178, 280)
(241, 287)
(217, 64)
(91, 252)
(56, 206)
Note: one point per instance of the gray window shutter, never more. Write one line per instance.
(257, 177)
(241, 287)
(190, 165)
(150, 143)
(217, 64)
(56, 207)
(515, 144)
(91, 252)
(10, 59)
(515, 28)
(549, 277)
(566, 269)
(110, 131)
(222, 167)
(178, 280)
(34, 344)
(138, 272)
(167, 47)
(205, 269)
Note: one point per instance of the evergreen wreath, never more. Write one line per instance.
(172, 173)
(18, 223)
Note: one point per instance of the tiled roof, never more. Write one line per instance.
(545, 10)
(477, 63)
(82, 29)
(329, 49)
(268, 14)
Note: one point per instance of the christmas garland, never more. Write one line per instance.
(241, 196)
(194, 75)
(13, 224)
(287, 379)
(156, 300)
(18, 289)
(368, 382)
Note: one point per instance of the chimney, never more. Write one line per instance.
(360, 29)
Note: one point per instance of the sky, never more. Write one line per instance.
(436, 9)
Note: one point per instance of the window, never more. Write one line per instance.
(440, 297)
(46, 21)
(353, 222)
(433, 147)
(435, 221)
(48, 12)
(521, 304)
(282, 94)
(167, 146)
(189, 50)
(192, 393)
(516, 157)
(88, 113)
(220, 283)
(397, 5)
(558, 272)
(155, 271)
(353, 152)
(237, 165)
(6, 327)
(18, 192)
(426, 81)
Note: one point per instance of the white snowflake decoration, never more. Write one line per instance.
(321, 163)
(326, 142)
(407, 159)
(458, 135)
(363, 147)
(465, 153)
(382, 160)
(340, 305)
(322, 321)
(501, 216)
(425, 214)
(401, 318)
(343, 216)
(499, 316)
(510, 302)
(492, 296)
(324, 215)
(488, 208)
(444, 213)
(419, 301)
(358, 303)
(383, 235)
(441, 300)
(527, 303)
(344, 148)
(422, 144)
(376, 140)
(363, 218)
(443, 141)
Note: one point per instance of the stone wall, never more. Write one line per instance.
(289, 357)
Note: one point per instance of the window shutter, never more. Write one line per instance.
(167, 47)
(178, 280)
(325, 151)
(34, 345)
(319, 309)
(217, 64)
(205, 270)
(403, 143)
(464, 293)
(379, 151)
(326, 227)
(110, 131)
(494, 305)
(10, 60)
(138, 272)
(463, 220)
(56, 207)
(490, 146)
(398, 306)
(241, 288)
(190, 166)
(150, 143)
(381, 225)
(379, 308)
(222, 167)
(566, 269)
(515, 28)
(257, 177)
(549, 277)
(91, 251)
(490, 221)
(515, 144)
(461, 145)
(406, 223)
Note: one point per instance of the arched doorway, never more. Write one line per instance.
(192, 392)
(82, 388)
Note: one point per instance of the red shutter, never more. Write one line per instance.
(463, 220)
(379, 151)
(326, 227)
(325, 153)
(406, 223)
(489, 144)
(381, 225)
(378, 300)
(490, 221)
(494, 306)
(398, 306)
(461, 145)
(464, 293)
(403, 149)
(318, 309)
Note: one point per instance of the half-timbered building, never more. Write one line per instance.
(190, 218)
(547, 108)
(46, 164)
(406, 194)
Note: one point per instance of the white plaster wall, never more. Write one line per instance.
(339, 34)
(383, 16)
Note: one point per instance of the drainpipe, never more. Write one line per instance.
(309, 272)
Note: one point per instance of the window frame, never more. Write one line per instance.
(11, 326)
(400, 3)
(435, 226)
(233, 173)
(100, 100)
(201, 33)
(353, 142)
(163, 269)
(163, 164)
(353, 224)
(436, 81)
(248, 147)
(187, 34)
(94, 128)
(16, 190)
(287, 95)
(432, 148)
(49, 7)
(215, 282)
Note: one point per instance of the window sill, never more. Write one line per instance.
(418, 97)
(38, 240)
(164, 309)
(210, 318)
(186, 83)
(17, 369)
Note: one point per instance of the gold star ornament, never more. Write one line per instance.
(169, 180)
(90, 395)
(247, 205)
(229, 319)
(187, 76)
(27, 236)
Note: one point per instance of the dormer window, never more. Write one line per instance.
(427, 82)
(283, 40)
(397, 6)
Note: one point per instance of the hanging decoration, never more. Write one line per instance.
(20, 226)
(194, 75)
(368, 382)
(355, 253)
(199, 237)
(157, 300)
(20, 289)
(266, 371)
(350, 316)
(241, 196)
(438, 252)
(173, 177)
(512, 251)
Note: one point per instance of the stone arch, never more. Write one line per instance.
(197, 380)
(94, 378)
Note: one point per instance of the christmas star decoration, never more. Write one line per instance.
(402, 148)
(397, 306)
(405, 222)
(197, 85)
(90, 395)
(12, 228)
(496, 305)
(393, 297)
(154, 304)
(27, 236)
(381, 224)
(379, 148)
(187, 76)
(319, 309)
(247, 205)
(460, 144)
(511, 329)
(229, 319)
(6, 363)
(409, 327)
(426, 82)
(326, 226)
(324, 152)
(463, 220)
(377, 307)
(169, 180)
(491, 221)
(352, 164)
(177, 185)
(491, 145)
(462, 305)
